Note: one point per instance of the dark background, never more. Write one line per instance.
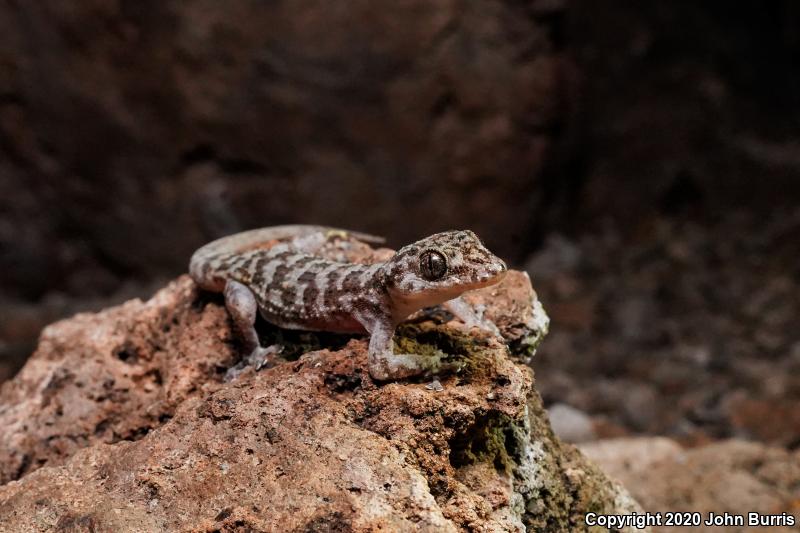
(640, 159)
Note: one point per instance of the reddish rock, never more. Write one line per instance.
(121, 421)
(767, 419)
(111, 376)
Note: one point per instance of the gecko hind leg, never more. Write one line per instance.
(243, 308)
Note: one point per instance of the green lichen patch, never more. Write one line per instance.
(437, 340)
(488, 440)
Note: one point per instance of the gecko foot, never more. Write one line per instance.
(390, 366)
(259, 358)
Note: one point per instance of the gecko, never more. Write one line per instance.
(292, 287)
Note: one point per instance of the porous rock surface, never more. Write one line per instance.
(121, 421)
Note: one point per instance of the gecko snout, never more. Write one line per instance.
(495, 271)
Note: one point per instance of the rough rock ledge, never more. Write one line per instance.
(121, 421)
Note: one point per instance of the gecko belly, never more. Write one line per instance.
(338, 322)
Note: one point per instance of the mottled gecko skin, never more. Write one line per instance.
(293, 288)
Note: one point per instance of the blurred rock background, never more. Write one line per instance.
(640, 159)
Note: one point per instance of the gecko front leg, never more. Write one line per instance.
(242, 306)
(384, 364)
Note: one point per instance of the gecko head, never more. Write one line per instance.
(440, 268)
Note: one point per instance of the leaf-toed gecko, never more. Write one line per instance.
(293, 288)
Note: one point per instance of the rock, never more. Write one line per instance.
(517, 311)
(570, 424)
(687, 330)
(640, 405)
(121, 420)
(111, 376)
(703, 135)
(211, 118)
(772, 419)
(731, 476)
(620, 458)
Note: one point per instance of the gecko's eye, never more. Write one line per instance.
(432, 265)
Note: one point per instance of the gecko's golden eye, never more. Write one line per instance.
(432, 265)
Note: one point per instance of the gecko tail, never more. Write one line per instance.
(232, 244)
